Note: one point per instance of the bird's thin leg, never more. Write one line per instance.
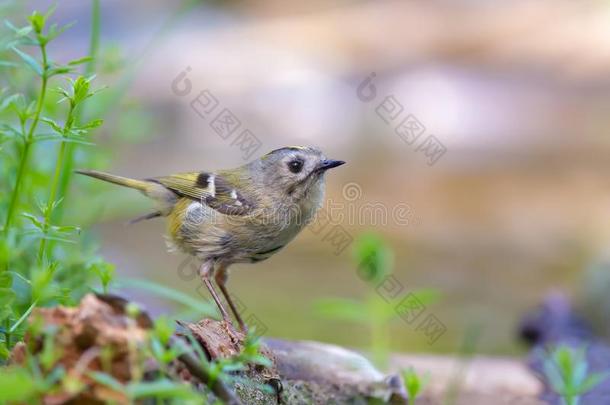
(205, 271)
(221, 280)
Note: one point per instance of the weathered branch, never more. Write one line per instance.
(298, 372)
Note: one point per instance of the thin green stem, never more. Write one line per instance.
(49, 209)
(7, 333)
(23, 317)
(19, 276)
(15, 195)
(68, 168)
(28, 141)
(55, 184)
(380, 342)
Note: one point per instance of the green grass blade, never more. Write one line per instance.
(204, 308)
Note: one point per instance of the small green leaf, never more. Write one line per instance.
(10, 131)
(161, 388)
(31, 108)
(43, 287)
(592, 381)
(56, 127)
(50, 11)
(80, 89)
(78, 141)
(31, 62)
(66, 228)
(63, 92)
(107, 380)
(92, 124)
(73, 385)
(231, 368)
(60, 70)
(19, 32)
(80, 61)
(414, 384)
(34, 220)
(260, 360)
(7, 63)
(47, 137)
(40, 235)
(104, 271)
(58, 138)
(9, 101)
(22, 32)
(164, 329)
(54, 32)
(37, 21)
(10, 26)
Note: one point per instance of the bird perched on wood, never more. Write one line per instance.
(240, 215)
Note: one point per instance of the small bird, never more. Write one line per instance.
(240, 215)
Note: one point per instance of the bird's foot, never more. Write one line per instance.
(237, 337)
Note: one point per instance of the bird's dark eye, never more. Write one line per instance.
(295, 166)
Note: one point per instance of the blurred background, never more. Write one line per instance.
(516, 93)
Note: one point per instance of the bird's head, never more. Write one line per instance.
(294, 170)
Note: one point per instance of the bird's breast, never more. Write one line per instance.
(204, 232)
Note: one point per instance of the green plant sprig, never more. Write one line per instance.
(68, 166)
(15, 245)
(374, 259)
(37, 23)
(567, 371)
(414, 383)
(39, 35)
(78, 92)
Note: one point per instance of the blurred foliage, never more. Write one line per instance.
(466, 352)
(42, 121)
(374, 261)
(50, 114)
(594, 296)
(374, 258)
(41, 375)
(414, 383)
(196, 308)
(567, 372)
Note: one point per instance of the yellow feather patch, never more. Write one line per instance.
(176, 217)
(188, 184)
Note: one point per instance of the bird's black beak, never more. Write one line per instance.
(329, 164)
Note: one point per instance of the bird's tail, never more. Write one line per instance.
(141, 185)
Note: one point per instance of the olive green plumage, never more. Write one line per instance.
(245, 214)
(238, 215)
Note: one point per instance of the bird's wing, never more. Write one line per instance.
(211, 189)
